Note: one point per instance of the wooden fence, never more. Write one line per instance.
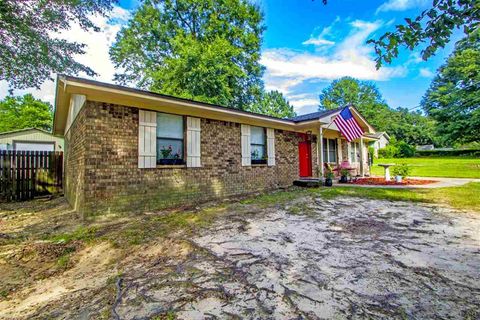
(27, 174)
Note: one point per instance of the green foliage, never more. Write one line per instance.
(274, 104)
(453, 98)
(401, 170)
(29, 54)
(405, 150)
(25, 112)
(433, 27)
(411, 127)
(207, 50)
(390, 151)
(80, 234)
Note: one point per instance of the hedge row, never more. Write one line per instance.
(446, 153)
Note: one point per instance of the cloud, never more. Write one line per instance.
(96, 53)
(426, 73)
(320, 40)
(401, 5)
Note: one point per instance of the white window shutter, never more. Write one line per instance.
(271, 146)
(193, 142)
(246, 152)
(147, 139)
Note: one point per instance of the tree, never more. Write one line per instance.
(206, 50)
(364, 95)
(410, 127)
(25, 112)
(29, 53)
(453, 98)
(274, 104)
(433, 27)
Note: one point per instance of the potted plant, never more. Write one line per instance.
(166, 152)
(400, 172)
(329, 178)
(344, 175)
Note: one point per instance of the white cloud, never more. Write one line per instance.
(96, 53)
(320, 40)
(426, 73)
(402, 5)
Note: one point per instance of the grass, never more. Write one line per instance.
(449, 167)
(464, 197)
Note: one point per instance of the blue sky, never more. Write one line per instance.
(306, 46)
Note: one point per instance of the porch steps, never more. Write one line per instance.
(307, 182)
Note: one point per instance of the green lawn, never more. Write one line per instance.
(465, 197)
(452, 167)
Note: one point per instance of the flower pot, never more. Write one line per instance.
(343, 179)
(398, 179)
(328, 182)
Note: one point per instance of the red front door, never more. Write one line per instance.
(305, 158)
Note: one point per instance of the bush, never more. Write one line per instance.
(405, 150)
(449, 153)
(401, 170)
(390, 151)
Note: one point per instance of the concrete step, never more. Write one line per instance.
(307, 182)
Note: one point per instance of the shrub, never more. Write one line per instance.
(401, 170)
(405, 150)
(390, 151)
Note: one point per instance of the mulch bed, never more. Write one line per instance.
(382, 182)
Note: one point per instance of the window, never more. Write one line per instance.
(354, 152)
(258, 145)
(329, 150)
(170, 137)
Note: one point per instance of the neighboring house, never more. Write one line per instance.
(382, 139)
(30, 139)
(130, 149)
(425, 147)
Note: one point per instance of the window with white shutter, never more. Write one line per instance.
(271, 146)
(246, 155)
(193, 142)
(147, 139)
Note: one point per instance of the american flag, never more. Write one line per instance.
(348, 125)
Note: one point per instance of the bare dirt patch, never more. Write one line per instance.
(303, 257)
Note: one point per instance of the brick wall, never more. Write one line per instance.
(102, 151)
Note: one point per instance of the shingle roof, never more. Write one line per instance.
(314, 115)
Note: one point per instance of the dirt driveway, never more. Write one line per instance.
(311, 258)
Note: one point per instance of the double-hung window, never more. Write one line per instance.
(354, 152)
(329, 150)
(258, 145)
(170, 139)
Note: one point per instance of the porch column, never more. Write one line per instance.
(362, 157)
(320, 150)
(339, 151)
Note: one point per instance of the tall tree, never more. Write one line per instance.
(206, 50)
(25, 112)
(453, 98)
(29, 54)
(274, 104)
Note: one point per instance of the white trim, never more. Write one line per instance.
(77, 101)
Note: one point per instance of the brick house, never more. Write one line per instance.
(128, 149)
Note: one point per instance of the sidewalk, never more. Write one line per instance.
(442, 182)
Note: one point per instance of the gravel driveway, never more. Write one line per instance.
(317, 258)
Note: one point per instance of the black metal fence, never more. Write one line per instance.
(27, 174)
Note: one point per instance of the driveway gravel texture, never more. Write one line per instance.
(311, 258)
